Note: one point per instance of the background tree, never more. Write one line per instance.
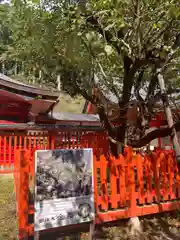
(101, 49)
(130, 44)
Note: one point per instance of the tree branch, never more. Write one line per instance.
(150, 30)
(158, 133)
(138, 85)
(93, 22)
(153, 39)
(151, 87)
(128, 80)
(105, 120)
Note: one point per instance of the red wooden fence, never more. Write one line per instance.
(10, 142)
(132, 185)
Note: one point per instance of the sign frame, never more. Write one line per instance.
(88, 200)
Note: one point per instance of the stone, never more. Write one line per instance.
(134, 225)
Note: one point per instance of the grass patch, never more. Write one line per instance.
(68, 104)
(8, 223)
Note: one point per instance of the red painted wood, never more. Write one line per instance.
(141, 192)
(118, 180)
(113, 182)
(140, 211)
(149, 175)
(95, 166)
(9, 151)
(122, 182)
(23, 196)
(103, 183)
(131, 182)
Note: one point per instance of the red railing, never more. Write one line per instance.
(132, 185)
(6, 154)
(10, 142)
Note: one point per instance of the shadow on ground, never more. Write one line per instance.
(156, 227)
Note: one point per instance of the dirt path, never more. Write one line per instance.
(165, 227)
(159, 227)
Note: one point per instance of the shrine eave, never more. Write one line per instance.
(14, 107)
(17, 87)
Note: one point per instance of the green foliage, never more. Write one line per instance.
(53, 36)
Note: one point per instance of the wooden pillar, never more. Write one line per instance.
(23, 204)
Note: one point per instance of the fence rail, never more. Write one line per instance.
(12, 141)
(132, 185)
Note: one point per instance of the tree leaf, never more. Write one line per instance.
(108, 49)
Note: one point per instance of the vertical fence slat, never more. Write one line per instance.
(104, 188)
(171, 177)
(4, 150)
(73, 137)
(52, 142)
(65, 140)
(132, 196)
(1, 146)
(177, 182)
(15, 144)
(149, 179)
(41, 140)
(157, 178)
(25, 142)
(131, 181)
(61, 139)
(141, 193)
(162, 176)
(122, 182)
(45, 141)
(38, 136)
(10, 151)
(34, 141)
(49, 141)
(95, 181)
(113, 181)
(1, 151)
(29, 141)
(17, 179)
(20, 141)
(23, 199)
(165, 176)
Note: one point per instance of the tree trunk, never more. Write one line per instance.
(169, 116)
(58, 82)
(15, 69)
(112, 133)
(40, 74)
(3, 68)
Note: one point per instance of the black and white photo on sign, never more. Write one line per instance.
(63, 173)
(64, 185)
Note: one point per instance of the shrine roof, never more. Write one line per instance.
(10, 84)
(9, 101)
(9, 96)
(66, 116)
